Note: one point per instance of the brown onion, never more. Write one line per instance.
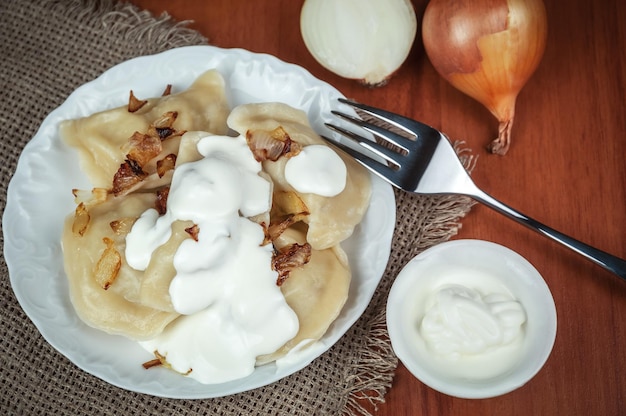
(488, 49)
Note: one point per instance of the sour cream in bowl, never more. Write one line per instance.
(471, 319)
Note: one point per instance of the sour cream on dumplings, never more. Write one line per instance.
(232, 310)
(317, 169)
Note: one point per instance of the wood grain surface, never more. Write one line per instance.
(565, 168)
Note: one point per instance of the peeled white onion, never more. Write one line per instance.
(366, 40)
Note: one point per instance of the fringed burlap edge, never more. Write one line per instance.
(373, 374)
(130, 21)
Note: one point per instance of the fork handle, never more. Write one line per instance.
(602, 258)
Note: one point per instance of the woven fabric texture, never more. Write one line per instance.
(50, 47)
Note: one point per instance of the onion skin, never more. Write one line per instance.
(488, 49)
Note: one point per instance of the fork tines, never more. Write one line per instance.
(387, 168)
(393, 120)
(396, 141)
(396, 148)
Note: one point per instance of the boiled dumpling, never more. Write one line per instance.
(101, 138)
(118, 309)
(331, 219)
(316, 291)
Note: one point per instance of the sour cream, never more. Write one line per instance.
(232, 310)
(461, 321)
(317, 169)
(469, 323)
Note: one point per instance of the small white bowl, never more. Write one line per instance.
(459, 261)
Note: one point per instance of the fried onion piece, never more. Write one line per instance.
(122, 226)
(271, 145)
(266, 232)
(163, 127)
(134, 104)
(166, 120)
(193, 232)
(287, 209)
(85, 199)
(143, 147)
(128, 175)
(166, 164)
(152, 363)
(161, 200)
(81, 220)
(95, 196)
(109, 265)
(167, 91)
(288, 258)
(158, 361)
(277, 227)
(161, 360)
(288, 202)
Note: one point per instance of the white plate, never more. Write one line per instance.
(39, 197)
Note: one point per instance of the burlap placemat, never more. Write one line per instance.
(50, 47)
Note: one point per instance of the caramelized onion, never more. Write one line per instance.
(158, 361)
(289, 258)
(127, 176)
(161, 200)
(161, 360)
(134, 104)
(95, 196)
(166, 164)
(287, 209)
(163, 127)
(143, 147)
(193, 232)
(109, 265)
(81, 220)
(122, 226)
(271, 145)
(167, 91)
(280, 224)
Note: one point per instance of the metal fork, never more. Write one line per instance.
(422, 160)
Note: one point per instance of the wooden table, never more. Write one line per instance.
(565, 168)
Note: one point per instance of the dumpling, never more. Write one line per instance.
(316, 291)
(101, 138)
(118, 309)
(331, 219)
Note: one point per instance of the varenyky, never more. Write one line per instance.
(211, 237)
